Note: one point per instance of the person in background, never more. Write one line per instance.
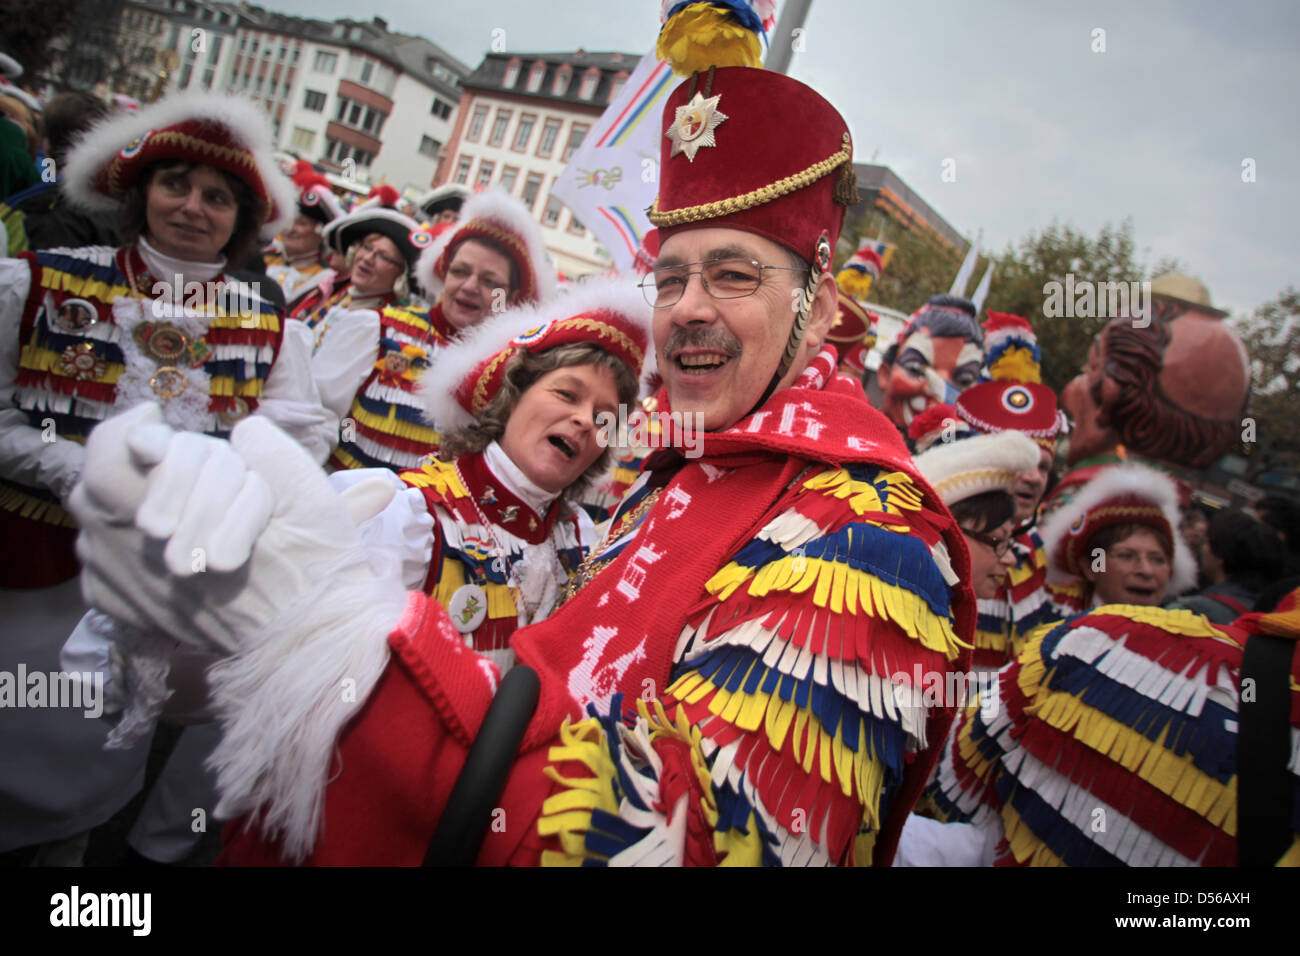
(1241, 557)
(297, 262)
(443, 205)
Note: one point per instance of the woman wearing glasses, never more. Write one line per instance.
(1118, 542)
(975, 476)
(493, 260)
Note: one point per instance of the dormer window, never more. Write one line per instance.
(589, 80)
(535, 76)
(512, 73)
(562, 77)
(619, 79)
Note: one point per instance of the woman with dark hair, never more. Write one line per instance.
(975, 477)
(86, 333)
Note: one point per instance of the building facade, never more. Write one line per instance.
(522, 116)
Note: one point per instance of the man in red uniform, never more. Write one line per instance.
(775, 612)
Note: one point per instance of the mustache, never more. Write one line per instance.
(702, 337)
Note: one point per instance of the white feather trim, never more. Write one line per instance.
(1129, 479)
(238, 114)
(453, 363)
(972, 466)
(502, 209)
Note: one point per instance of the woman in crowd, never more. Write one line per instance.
(490, 530)
(297, 260)
(1117, 542)
(492, 260)
(85, 333)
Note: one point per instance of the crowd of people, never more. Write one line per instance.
(340, 503)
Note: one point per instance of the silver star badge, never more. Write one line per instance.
(694, 125)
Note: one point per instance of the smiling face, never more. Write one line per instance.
(552, 435)
(1137, 571)
(928, 369)
(302, 238)
(478, 280)
(377, 265)
(988, 569)
(718, 355)
(1030, 486)
(190, 212)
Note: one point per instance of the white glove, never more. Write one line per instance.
(208, 541)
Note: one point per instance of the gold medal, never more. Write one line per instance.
(168, 382)
(231, 416)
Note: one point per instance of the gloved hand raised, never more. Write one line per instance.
(206, 540)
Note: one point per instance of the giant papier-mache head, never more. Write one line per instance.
(1170, 386)
(936, 356)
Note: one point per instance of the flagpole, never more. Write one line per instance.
(781, 50)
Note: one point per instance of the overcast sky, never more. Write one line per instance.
(1155, 128)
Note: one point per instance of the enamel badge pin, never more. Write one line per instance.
(694, 125)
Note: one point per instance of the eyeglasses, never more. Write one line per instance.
(1000, 546)
(721, 278)
(382, 257)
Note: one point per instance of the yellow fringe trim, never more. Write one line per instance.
(843, 589)
(900, 493)
(1025, 845)
(34, 358)
(1176, 777)
(35, 509)
(390, 424)
(1292, 856)
(439, 475)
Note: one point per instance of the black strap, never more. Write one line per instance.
(465, 821)
(1263, 750)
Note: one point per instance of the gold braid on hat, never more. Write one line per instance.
(763, 194)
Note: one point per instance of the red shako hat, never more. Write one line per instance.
(756, 150)
(853, 334)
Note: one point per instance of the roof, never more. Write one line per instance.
(490, 74)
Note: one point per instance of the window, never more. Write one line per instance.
(429, 147)
(620, 78)
(344, 103)
(185, 75)
(551, 216)
(207, 78)
(440, 109)
(302, 138)
(257, 86)
(499, 127)
(476, 125)
(294, 60)
(314, 100)
(589, 81)
(485, 169)
(325, 62)
(367, 69)
(535, 76)
(279, 53)
(562, 77)
(549, 133)
(371, 120)
(462, 169)
(576, 135)
(512, 73)
(354, 114)
(215, 52)
(532, 186)
(525, 132)
(331, 148)
(508, 176)
(575, 226)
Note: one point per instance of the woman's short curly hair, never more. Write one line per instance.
(523, 369)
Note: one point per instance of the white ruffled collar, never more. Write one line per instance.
(161, 265)
(510, 475)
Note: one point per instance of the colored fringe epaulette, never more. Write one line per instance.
(385, 427)
(1113, 743)
(799, 689)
